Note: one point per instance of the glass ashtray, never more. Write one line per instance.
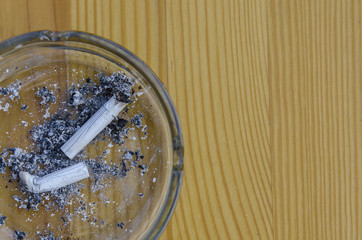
(136, 164)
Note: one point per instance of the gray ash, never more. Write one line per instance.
(2, 165)
(4, 91)
(137, 120)
(62, 196)
(119, 85)
(128, 156)
(11, 90)
(117, 131)
(54, 133)
(24, 107)
(120, 225)
(19, 235)
(31, 201)
(47, 236)
(2, 219)
(47, 96)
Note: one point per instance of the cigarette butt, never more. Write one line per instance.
(55, 180)
(93, 127)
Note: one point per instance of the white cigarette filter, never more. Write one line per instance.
(93, 127)
(55, 180)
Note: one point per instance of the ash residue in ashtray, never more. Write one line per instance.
(19, 235)
(12, 92)
(46, 157)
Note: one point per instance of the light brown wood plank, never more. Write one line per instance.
(221, 93)
(315, 86)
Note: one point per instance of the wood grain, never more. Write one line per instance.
(269, 97)
(315, 87)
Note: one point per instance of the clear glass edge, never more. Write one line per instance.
(77, 36)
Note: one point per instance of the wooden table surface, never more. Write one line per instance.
(269, 98)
